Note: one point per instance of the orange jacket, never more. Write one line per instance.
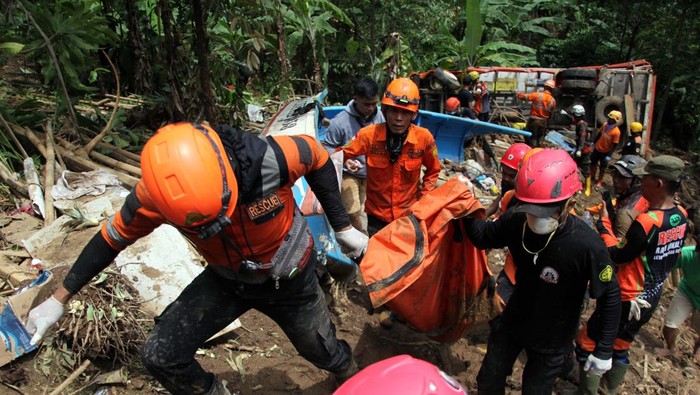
(393, 187)
(607, 139)
(543, 103)
(257, 241)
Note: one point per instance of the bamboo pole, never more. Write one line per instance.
(106, 160)
(50, 214)
(84, 164)
(126, 154)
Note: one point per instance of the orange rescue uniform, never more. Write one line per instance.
(607, 139)
(257, 241)
(393, 187)
(543, 103)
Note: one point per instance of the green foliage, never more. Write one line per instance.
(76, 30)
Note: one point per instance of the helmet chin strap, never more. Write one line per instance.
(222, 220)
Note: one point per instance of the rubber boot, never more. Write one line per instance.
(588, 186)
(613, 378)
(588, 382)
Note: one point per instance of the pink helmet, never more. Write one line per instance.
(514, 154)
(548, 176)
(402, 374)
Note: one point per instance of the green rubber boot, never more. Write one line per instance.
(588, 382)
(613, 378)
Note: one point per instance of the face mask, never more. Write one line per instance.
(541, 226)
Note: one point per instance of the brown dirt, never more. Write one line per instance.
(270, 365)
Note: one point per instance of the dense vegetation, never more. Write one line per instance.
(205, 59)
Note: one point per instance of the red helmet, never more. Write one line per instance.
(452, 104)
(402, 374)
(546, 177)
(402, 93)
(514, 154)
(188, 176)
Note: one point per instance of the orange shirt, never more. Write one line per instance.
(393, 187)
(607, 139)
(543, 103)
(140, 216)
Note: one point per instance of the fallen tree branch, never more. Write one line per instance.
(16, 186)
(82, 163)
(32, 137)
(106, 160)
(108, 126)
(50, 214)
(13, 137)
(71, 378)
(118, 152)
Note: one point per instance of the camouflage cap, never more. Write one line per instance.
(663, 166)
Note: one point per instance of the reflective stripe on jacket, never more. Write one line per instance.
(543, 103)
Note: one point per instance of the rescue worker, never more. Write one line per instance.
(557, 256)
(395, 150)
(510, 164)
(606, 141)
(644, 257)
(466, 97)
(482, 99)
(452, 107)
(627, 186)
(361, 111)
(584, 144)
(229, 193)
(633, 145)
(543, 104)
(685, 302)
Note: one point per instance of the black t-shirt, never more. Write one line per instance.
(543, 313)
(466, 97)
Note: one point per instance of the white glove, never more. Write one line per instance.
(352, 242)
(636, 306)
(42, 317)
(597, 366)
(578, 154)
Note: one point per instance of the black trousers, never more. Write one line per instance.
(541, 369)
(211, 302)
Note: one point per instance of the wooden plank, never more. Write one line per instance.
(629, 113)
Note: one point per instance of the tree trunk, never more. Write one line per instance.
(201, 48)
(285, 65)
(170, 48)
(141, 66)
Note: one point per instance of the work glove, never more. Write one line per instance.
(578, 154)
(607, 158)
(597, 366)
(42, 317)
(521, 96)
(636, 306)
(352, 242)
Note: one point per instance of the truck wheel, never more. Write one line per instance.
(447, 79)
(578, 74)
(607, 104)
(579, 84)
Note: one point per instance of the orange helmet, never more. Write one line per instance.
(402, 93)
(549, 84)
(528, 154)
(189, 178)
(452, 104)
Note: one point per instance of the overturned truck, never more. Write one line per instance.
(627, 87)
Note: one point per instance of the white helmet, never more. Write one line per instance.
(578, 110)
